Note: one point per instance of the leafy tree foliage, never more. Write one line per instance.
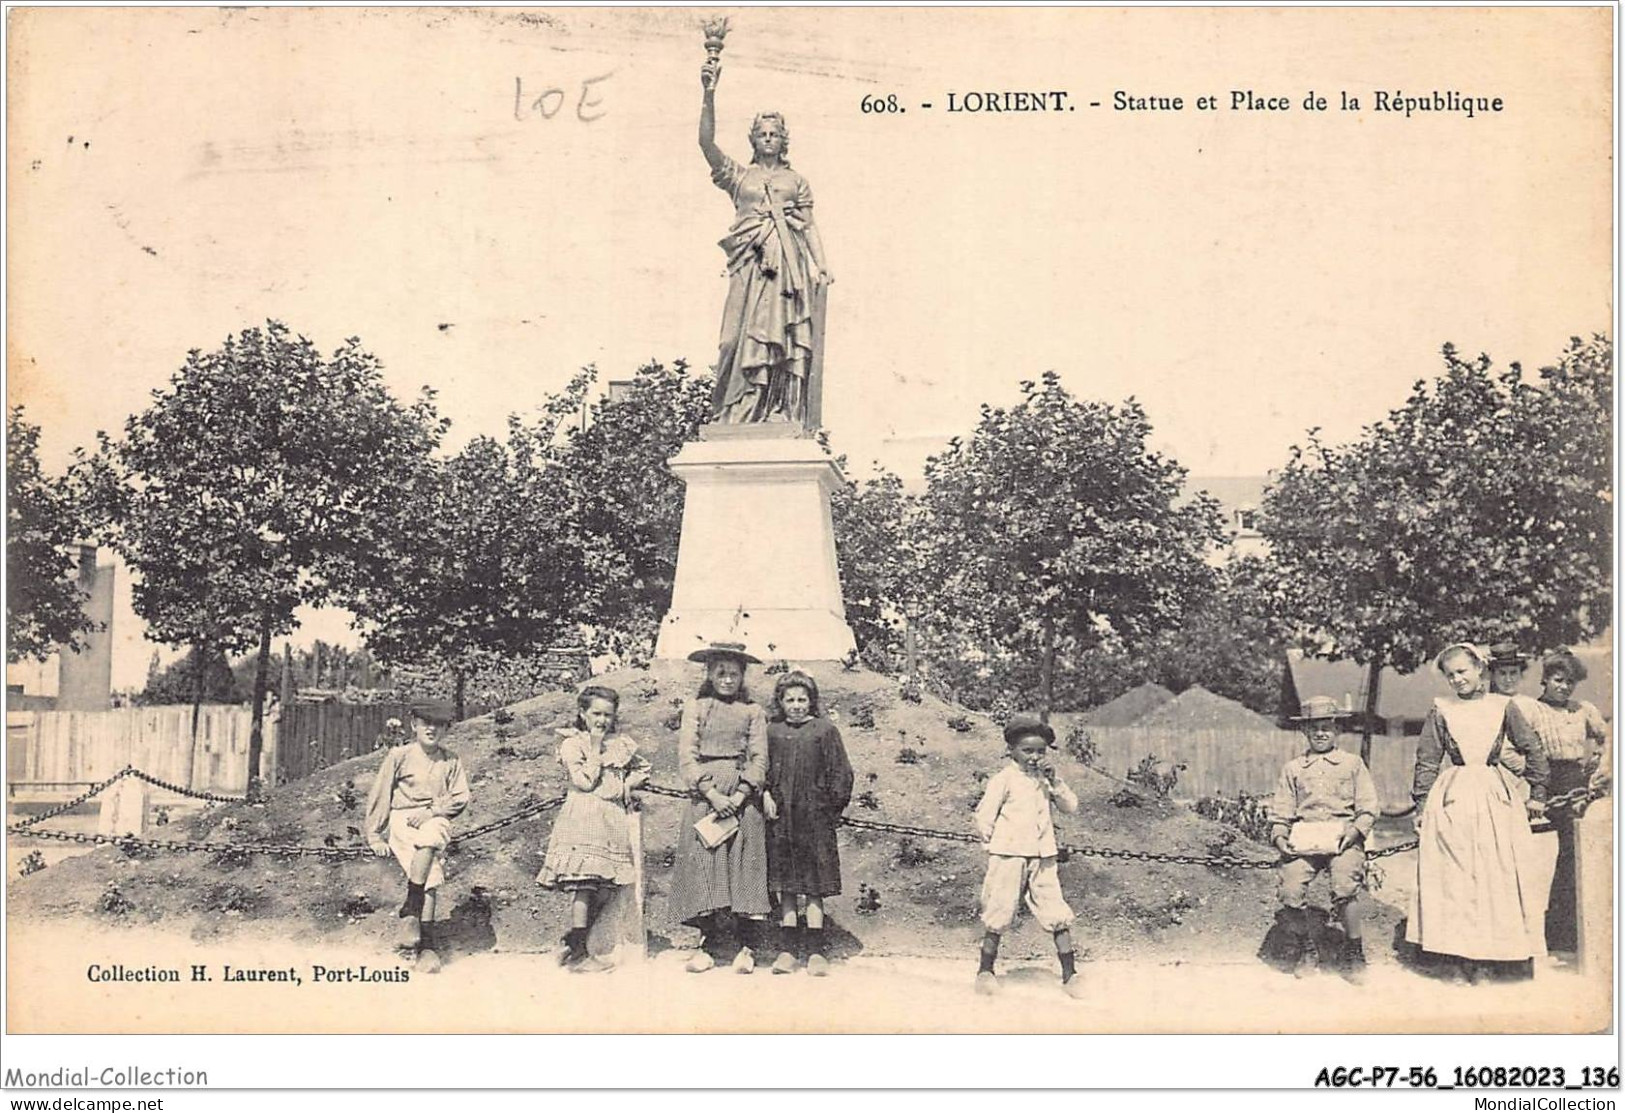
(1480, 508)
(628, 506)
(265, 477)
(1055, 528)
(876, 525)
(204, 676)
(567, 529)
(44, 517)
(1233, 644)
(489, 566)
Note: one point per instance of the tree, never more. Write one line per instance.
(265, 477)
(491, 568)
(628, 504)
(199, 677)
(1481, 508)
(874, 544)
(1056, 528)
(44, 518)
(1233, 644)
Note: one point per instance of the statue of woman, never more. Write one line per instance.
(775, 268)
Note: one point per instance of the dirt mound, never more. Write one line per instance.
(920, 763)
(1199, 709)
(1128, 708)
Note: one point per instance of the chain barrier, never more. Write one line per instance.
(179, 790)
(26, 828)
(71, 804)
(1575, 799)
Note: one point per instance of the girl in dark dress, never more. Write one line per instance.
(809, 784)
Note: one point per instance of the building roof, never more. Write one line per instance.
(1127, 708)
(1196, 708)
(1399, 697)
(1408, 696)
(1232, 491)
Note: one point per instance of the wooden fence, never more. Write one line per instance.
(316, 735)
(68, 747)
(1228, 762)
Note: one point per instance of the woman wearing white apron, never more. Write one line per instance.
(1476, 897)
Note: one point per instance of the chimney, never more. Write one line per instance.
(87, 566)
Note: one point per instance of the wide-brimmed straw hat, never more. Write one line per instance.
(1318, 709)
(1507, 653)
(1020, 726)
(733, 651)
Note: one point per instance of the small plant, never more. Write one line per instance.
(863, 717)
(1001, 709)
(393, 734)
(32, 862)
(1247, 814)
(233, 898)
(502, 716)
(867, 799)
(908, 755)
(911, 854)
(1126, 798)
(646, 689)
(910, 690)
(1179, 904)
(346, 797)
(673, 721)
(1156, 775)
(160, 815)
(233, 857)
(356, 905)
(133, 848)
(851, 661)
(961, 723)
(868, 900)
(777, 667)
(876, 658)
(113, 901)
(1221, 847)
(1081, 747)
(1373, 877)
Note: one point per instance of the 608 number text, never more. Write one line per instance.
(887, 103)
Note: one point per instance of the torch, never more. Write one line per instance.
(715, 31)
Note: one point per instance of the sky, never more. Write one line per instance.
(411, 177)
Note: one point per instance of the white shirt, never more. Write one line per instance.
(1014, 815)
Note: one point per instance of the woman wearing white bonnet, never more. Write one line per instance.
(1474, 900)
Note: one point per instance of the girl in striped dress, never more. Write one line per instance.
(590, 852)
(722, 758)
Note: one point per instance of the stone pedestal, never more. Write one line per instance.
(756, 563)
(1594, 890)
(124, 809)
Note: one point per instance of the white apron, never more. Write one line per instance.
(1476, 893)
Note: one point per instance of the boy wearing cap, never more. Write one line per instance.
(1324, 807)
(1014, 821)
(420, 788)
